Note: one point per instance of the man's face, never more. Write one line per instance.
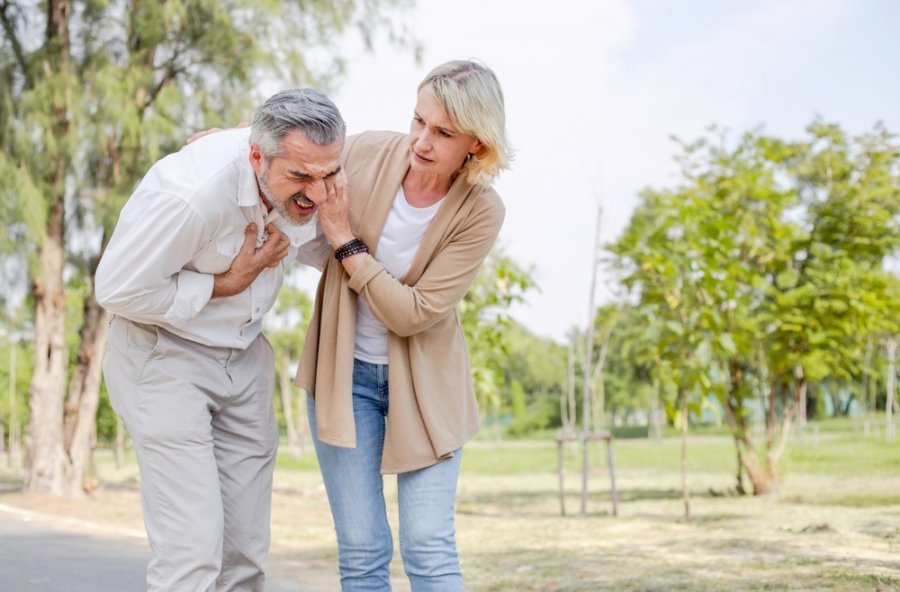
(294, 183)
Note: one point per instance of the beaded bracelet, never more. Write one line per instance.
(350, 248)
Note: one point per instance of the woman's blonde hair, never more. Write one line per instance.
(470, 94)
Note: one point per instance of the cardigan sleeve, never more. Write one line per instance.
(407, 310)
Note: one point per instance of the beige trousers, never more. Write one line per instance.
(205, 436)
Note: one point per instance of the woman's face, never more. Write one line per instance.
(435, 145)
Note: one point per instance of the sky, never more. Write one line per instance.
(595, 90)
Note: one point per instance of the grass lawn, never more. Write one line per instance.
(835, 524)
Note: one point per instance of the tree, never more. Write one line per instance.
(661, 261)
(850, 188)
(535, 370)
(629, 384)
(484, 315)
(763, 272)
(92, 92)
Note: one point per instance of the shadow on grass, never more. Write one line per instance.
(869, 499)
(546, 501)
(736, 564)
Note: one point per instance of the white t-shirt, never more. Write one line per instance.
(403, 231)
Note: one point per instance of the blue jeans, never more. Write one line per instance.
(355, 492)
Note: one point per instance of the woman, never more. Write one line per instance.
(411, 225)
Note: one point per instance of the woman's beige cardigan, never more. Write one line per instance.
(432, 409)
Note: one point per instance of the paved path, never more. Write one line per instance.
(38, 556)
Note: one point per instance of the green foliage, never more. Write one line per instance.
(286, 324)
(517, 399)
(89, 102)
(23, 365)
(484, 315)
(764, 269)
(838, 290)
(771, 239)
(628, 370)
(106, 419)
(136, 79)
(285, 328)
(535, 378)
(528, 418)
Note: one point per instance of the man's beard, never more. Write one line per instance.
(281, 206)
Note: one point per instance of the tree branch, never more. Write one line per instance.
(9, 29)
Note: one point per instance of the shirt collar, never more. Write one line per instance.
(248, 189)
(296, 233)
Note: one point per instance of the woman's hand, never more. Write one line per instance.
(334, 212)
(213, 130)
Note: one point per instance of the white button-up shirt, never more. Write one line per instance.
(185, 223)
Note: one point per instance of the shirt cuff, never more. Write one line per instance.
(193, 290)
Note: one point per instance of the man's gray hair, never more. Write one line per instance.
(304, 109)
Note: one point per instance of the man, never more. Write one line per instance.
(195, 261)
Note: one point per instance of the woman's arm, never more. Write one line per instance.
(407, 310)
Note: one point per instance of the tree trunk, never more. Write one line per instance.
(58, 14)
(748, 461)
(83, 398)
(287, 405)
(45, 458)
(865, 378)
(120, 442)
(656, 419)
(12, 383)
(775, 449)
(14, 449)
(587, 368)
(685, 492)
(568, 409)
(800, 395)
(835, 395)
(891, 348)
(771, 411)
(598, 402)
(761, 480)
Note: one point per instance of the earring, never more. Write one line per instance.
(469, 156)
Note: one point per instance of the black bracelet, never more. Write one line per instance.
(350, 248)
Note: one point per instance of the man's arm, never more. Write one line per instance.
(142, 277)
(250, 261)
